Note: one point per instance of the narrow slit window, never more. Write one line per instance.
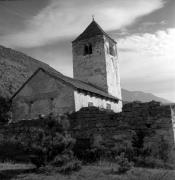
(87, 49)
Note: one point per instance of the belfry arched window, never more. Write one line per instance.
(111, 50)
(88, 49)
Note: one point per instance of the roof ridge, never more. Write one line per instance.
(75, 83)
(85, 34)
(104, 32)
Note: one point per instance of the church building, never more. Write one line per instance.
(96, 80)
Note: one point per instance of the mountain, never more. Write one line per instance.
(16, 68)
(130, 96)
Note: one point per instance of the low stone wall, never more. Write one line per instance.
(149, 117)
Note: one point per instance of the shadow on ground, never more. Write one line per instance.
(13, 173)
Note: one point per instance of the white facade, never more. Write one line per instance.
(83, 100)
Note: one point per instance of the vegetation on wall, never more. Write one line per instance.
(47, 141)
(143, 132)
(43, 142)
(4, 110)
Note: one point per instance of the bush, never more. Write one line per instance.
(84, 151)
(62, 159)
(149, 161)
(124, 164)
(13, 151)
(107, 149)
(44, 144)
(73, 165)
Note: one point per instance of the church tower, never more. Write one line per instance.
(95, 59)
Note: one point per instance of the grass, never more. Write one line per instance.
(13, 166)
(10, 171)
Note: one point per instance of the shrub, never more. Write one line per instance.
(124, 164)
(44, 143)
(12, 150)
(62, 159)
(149, 161)
(107, 149)
(73, 165)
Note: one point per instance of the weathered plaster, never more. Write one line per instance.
(112, 70)
(82, 100)
(42, 95)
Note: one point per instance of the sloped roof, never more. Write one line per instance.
(92, 30)
(75, 83)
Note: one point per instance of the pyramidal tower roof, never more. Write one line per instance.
(92, 30)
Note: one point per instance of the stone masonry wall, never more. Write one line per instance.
(90, 122)
(91, 67)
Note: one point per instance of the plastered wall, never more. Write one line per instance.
(42, 95)
(112, 69)
(82, 100)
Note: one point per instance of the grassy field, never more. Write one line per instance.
(10, 171)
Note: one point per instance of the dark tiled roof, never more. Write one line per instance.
(75, 83)
(92, 30)
(80, 85)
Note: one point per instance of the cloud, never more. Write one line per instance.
(67, 18)
(148, 63)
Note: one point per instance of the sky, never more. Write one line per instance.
(144, 31)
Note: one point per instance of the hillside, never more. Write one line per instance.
(130, 96)
(16, 67)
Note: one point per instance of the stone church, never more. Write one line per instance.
(96, 80)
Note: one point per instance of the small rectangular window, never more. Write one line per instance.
(108, 106)
(87, 49)
(90, 104)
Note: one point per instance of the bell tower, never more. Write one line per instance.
(95, 59)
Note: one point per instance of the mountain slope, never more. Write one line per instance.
(130, 96)
(15, 69)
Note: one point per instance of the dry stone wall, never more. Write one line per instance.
(149, 117)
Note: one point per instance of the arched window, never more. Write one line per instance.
(111, 51)
(88, 49)
(85, 49)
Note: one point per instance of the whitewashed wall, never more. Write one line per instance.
(82, 100)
